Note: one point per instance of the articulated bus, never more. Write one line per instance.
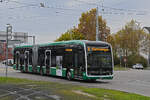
(76, 59)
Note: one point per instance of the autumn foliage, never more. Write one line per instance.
(130, 42)
(86, 28)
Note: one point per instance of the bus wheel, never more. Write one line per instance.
(69, 75)
(93, 80)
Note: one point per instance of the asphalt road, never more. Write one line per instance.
(133, 81)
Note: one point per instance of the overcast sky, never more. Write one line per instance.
(60, 15)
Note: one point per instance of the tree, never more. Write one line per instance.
(87, 26)
(72, 34)
(129, 41)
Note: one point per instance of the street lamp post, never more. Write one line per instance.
(97, 25)
(34, 40)
(8, 30)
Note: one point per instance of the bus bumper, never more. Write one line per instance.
(107, 77)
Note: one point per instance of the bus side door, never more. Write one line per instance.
(77, 63)
(59, 60)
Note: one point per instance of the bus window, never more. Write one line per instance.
(30, 58)
(41, 60)
(81, 59)
(76, 59)
(53, 61)
(21, 59)
(68, 60)
(48, 58)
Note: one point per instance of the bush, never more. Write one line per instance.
(116, 60)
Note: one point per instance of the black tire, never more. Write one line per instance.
(93, 80)
(69, 76)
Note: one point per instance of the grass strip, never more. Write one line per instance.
(66, 91)
(120, 68)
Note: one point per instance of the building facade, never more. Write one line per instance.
(14, 38)
(3, 52)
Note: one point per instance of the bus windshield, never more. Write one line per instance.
(99, 60)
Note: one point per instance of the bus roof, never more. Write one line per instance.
(63, 42)
(24, 46)
(81, 42)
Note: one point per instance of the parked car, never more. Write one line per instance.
(138, 66)
(10, 62)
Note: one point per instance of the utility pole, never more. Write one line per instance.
(97, 25)
(8, 30)
(6, 50)
(98, 33)
(71, 34)
(33, 40)
(34, 54)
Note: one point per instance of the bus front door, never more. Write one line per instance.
(48, 61)
(78, 67)
(59, 60)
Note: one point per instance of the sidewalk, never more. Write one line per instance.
(3, 68)
(2, 65)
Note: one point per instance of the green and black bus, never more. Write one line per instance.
(76, 59)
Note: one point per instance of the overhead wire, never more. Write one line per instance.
(61, 8)
(111, 8)
(85, 2)
(89, 3)
(42, 5)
